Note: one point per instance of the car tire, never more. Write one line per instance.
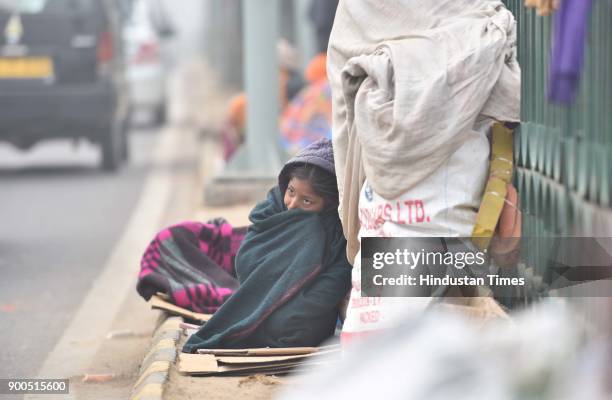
(125, 147)
(125, 142)
(160, 114)
(111, 146)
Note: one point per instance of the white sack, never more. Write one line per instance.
(410, 79)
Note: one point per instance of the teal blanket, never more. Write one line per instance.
(293, 273)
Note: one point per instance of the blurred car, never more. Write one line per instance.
(61, 74)
(145, 67)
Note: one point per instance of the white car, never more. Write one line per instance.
(145, 66)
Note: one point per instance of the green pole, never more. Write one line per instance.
(260, 156)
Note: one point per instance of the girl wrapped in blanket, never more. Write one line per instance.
(290, 270)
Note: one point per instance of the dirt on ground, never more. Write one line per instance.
(254, 387)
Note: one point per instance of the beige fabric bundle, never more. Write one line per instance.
(410, 79)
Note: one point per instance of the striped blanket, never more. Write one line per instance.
(193, 263)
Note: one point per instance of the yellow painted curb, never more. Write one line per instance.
(164, 344)
(157, 366)
(152, 389)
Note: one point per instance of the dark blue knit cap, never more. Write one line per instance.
(319, 153)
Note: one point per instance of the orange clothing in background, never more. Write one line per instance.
(237, 111)
(238, 104)
(317, 68)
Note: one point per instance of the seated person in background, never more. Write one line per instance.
(290, 82)
(234, 127)
(307, 118)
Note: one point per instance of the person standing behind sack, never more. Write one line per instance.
(416, 86)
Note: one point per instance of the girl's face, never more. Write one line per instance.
(299, 194)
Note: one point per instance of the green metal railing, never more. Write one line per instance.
(563, 153)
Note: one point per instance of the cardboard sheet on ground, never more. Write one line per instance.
(210, 364)
(268, 351)
(207, 365)
(157, 303)
(257, 360)
(241, 360)
(274, 370)
(279, 351)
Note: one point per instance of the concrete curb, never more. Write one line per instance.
(155, 368)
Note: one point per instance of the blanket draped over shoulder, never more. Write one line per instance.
(409, 79)
(193, 263)
(293, 273)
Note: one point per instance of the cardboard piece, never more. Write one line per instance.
(200, 363)
(157, 303)
(271, 369)
(163, 296)
(185, 325)
(207, 365)
(257, 360)
(266, 351)
(230, 360)
(236, 364)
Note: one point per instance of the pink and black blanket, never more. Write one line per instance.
(193, 263)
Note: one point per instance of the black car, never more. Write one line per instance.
(62, 74)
